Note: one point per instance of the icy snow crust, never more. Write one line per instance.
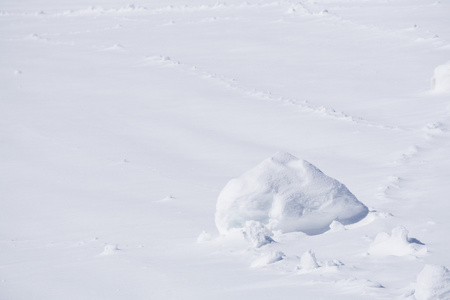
(287, 194)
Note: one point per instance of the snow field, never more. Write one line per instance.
(120, 124)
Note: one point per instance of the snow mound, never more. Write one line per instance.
(115, 47)
(441, 79)
(204, 237)
(268, 258)
(397, 244)
(336, 226)
(257, 234)
(110, 249)
(433, 282)
(308, 261)
(287, 194)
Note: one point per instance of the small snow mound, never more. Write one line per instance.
(441, 78)
(204, 237)
(268, 258)
(35, 37)
(287, 194)
(115, 47)
(169, 198)
(308, 261)
(433, 282)
(257, 234)
(397, 244)
(336, 226)
(110, 249)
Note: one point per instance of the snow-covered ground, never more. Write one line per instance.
(121, 123)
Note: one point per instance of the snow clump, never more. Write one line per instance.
(433, 282)
(287, 194)
(308, 261)
(110, 249)
(204, 237)
(257, 234)
(441, 79)
(336, 226)
(397, 244)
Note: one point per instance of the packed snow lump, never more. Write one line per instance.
(287, 194)
(440, 82)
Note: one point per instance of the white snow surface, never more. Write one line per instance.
(287, 194)
(433, 282)
(121, 122)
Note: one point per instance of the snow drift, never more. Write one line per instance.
(287, 194)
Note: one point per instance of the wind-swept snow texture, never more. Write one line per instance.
(287, 194)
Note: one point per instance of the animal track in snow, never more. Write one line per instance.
(392, 184)
(232, 84)
(141, 10)
(414, 33)
(432, 130)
